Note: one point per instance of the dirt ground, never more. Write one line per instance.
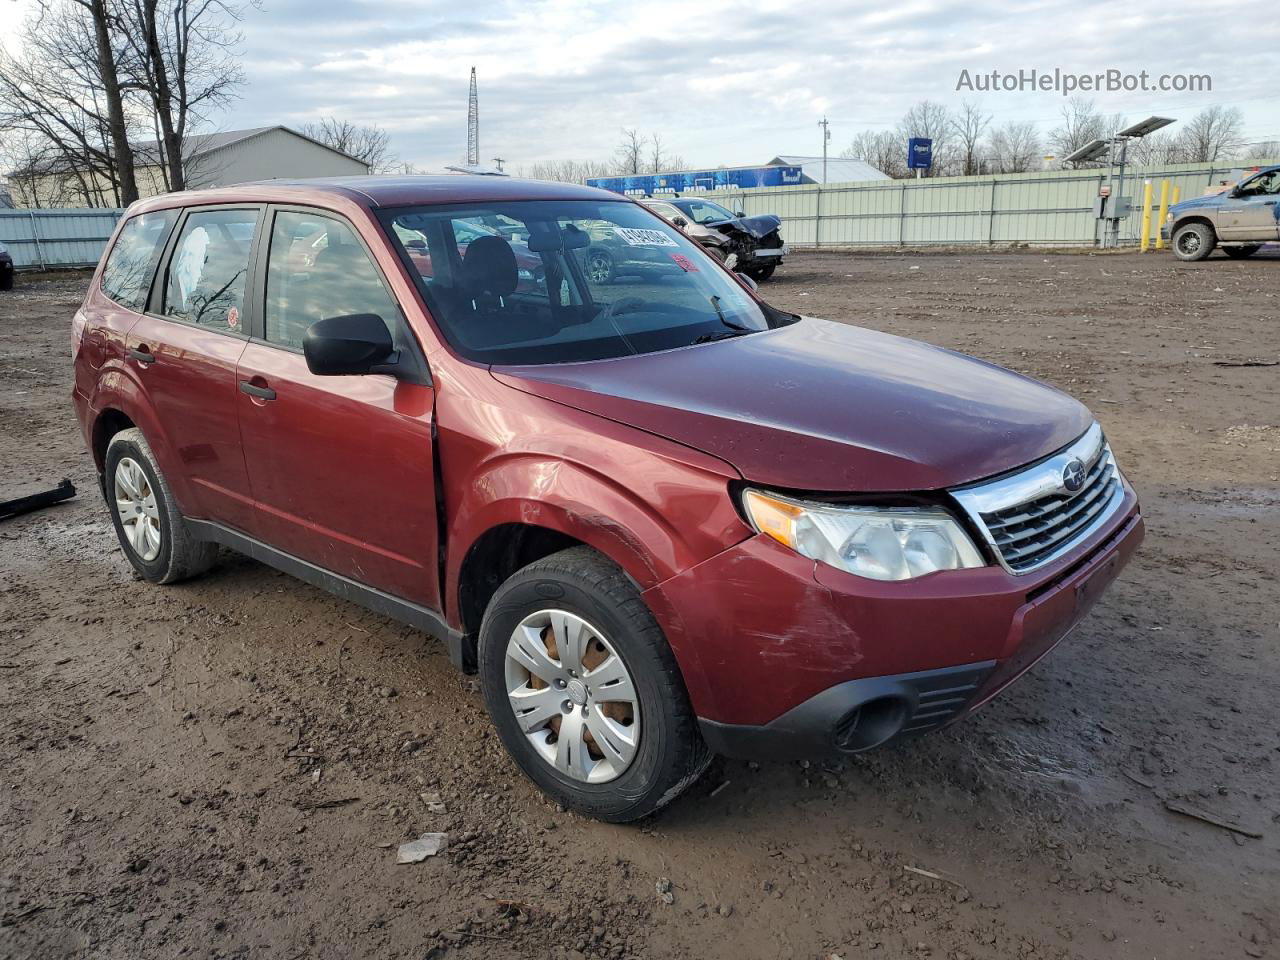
(224, 768)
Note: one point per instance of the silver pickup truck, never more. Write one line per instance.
(1240, 219)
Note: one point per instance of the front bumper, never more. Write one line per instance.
(784, 658)
(1165, 231)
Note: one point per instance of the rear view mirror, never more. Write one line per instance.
(349, 345)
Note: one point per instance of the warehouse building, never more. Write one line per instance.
(213, 159)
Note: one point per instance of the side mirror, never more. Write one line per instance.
(680, 222)
(747, 282)
(741, 213)
(349, 345)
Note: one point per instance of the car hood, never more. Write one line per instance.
(1196, 203)
(758, 227)
(823, 406)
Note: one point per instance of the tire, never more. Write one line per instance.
(761, 274)
(1239, 253)
(590, 597)
(6, 280)
(599, 266)
(156, 541)
(1195, 241)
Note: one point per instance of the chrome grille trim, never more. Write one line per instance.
(1029, 518)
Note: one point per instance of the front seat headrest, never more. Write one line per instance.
(489, 267)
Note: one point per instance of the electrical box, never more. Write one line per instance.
(1111, 208)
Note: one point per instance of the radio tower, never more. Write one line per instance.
(473, 124)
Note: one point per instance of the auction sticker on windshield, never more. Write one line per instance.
(638, 237)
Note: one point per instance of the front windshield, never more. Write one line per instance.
(704, 211)
(556, 281)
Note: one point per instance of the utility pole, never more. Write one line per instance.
(825, 124)
(499, 161)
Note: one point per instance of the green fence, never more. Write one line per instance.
(1048, 209)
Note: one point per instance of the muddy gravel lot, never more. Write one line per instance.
(224, 768)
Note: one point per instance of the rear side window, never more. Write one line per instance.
(208, 271)
(318, 269)
(126, 276)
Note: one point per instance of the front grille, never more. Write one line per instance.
(1030, 518)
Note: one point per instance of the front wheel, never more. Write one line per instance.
(761, 274)
(584, 691)
(599, 267)
(1239, 253)
(1195, 241)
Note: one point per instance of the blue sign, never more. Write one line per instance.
(693, 181)
(919, 153)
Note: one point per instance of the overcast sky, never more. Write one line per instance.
(721, 83)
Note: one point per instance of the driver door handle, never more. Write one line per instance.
(142, 355)
(253, 390)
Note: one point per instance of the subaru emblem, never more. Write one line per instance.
(1073, 475)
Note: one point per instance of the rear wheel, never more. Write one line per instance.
(1239, 253)
(1195, 241)
(584, 690)
(152, 533)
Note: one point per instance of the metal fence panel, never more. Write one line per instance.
(57, 238)
(1051, 208)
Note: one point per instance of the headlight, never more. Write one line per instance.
(1168, 218)
(880, 543)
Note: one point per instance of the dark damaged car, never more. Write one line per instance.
(755, 242)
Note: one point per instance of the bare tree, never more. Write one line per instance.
(1214, 133)
(882, 149)
(567, 171)
(180, 62)
(1260, 152)
(969, 126)
(365, 142)
(930, 120)
(1081, 124)
(629, 154)
(1014, 147)
(52, 91)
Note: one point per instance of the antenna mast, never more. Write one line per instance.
(473, 124)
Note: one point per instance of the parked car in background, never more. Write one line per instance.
(659, 519)
(1240, 219)
(715, 242)
(6, 268)
(755, 242)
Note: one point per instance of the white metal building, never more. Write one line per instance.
(839, 169)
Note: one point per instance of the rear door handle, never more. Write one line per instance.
(142, 355)
(253, 390)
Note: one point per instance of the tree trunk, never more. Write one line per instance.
(115, 103)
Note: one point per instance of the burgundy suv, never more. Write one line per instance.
(660, 517)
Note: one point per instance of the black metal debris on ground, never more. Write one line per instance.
(37, 501)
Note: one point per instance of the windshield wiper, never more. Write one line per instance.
(727, 334)
(715, 302)
(735, 329)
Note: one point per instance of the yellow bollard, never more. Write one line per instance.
(1146, 217)
(1164, 211)
(1175, 196)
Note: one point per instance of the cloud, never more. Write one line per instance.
(720, 81)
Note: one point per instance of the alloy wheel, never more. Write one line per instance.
(572, 696)
(137, 509)
(1189, 242)
(599, 268)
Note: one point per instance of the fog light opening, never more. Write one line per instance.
(872, 724)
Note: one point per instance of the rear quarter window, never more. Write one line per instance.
(131, 264)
